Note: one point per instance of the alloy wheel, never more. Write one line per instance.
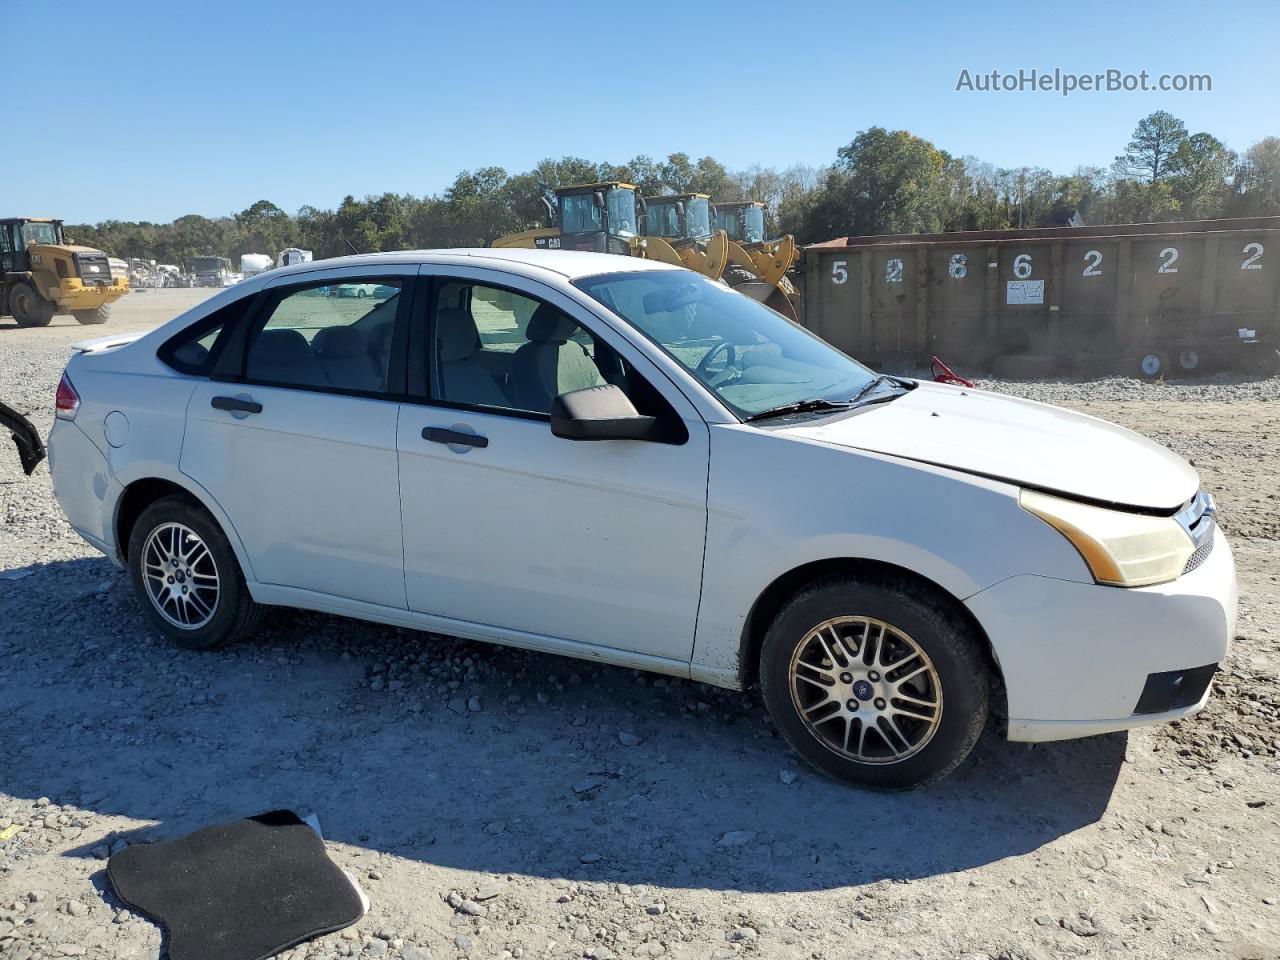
(181, 576)
(866, 690)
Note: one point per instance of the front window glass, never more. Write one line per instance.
(697, 217)
(751, 357)
(579, 213)
(34, 233)
(622, 212)
(336, 336)
(753, 224)
(500, 349)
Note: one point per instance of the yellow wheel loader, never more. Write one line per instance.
(606, 218)
(757, 267)
(600, 217)
(678, 230)
(44, 275)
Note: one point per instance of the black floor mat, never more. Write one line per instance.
(239, 891)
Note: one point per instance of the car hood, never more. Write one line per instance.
(1019, 441)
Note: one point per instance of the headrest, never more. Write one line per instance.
(549, 325)
(456, 334)
(281, 346)
(338, 342)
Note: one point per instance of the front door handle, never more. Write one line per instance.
(235, 405)
(453, 437)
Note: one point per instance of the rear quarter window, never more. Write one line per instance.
(194, 350)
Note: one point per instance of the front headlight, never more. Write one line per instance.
(1122, 549)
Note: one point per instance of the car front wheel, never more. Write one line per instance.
(186, 576)
(875, 684)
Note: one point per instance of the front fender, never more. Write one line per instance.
(777, 503)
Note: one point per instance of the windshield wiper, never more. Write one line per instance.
(800, 406)
(878, 381)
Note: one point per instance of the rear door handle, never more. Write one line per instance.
(442, 435)
(235, 404)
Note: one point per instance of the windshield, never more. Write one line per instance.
(753, 224)
(206, 264)
(697, 217)
(579, 213)
(751, 357)
(33, 233)
(622, 212)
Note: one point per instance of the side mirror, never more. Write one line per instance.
(600, 413)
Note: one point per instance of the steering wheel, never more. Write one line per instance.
(729, 373)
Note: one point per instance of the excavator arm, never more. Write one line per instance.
(25, 437)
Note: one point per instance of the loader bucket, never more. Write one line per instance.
(779, 297)
(25, 437)
(655, 248)
(708, 260)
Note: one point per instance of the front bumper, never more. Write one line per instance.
(1077, 658)
(75, 294)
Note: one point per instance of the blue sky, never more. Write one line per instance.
(206, 108)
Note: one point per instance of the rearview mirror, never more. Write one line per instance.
(600, 413)
(670, 299)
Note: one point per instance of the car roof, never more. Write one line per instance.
(571, 264)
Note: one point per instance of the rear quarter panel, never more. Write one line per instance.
(131, 381)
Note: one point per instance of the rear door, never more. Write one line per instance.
(296, 435)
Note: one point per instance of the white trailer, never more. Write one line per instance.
(291, 255)
(252, 264)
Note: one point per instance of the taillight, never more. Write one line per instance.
(67, 401)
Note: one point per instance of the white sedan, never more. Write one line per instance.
(615, 459)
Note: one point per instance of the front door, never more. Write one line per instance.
(299, 448)
(509, 526)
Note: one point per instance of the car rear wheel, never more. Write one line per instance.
(875, 684)
(28, 307)
(186, 576)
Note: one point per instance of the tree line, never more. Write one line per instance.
(883, 181)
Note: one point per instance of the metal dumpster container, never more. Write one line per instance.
(1150, 298)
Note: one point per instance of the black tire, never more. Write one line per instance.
(944, 638)
(28, 307)
(735, 275)
(235, 614)
(1024, 366)
(91, 317)
(1152, 365)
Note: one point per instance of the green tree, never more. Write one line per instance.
(1151, 151)
(883, 182)
(1257, 184)
(1201, 178)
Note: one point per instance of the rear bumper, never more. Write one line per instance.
(1079, 659)
(83, 485)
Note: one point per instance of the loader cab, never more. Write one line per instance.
(683, 217)
(599, 217)
(19, 234)
(742, 221)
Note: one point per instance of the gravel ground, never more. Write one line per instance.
(496, 803)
